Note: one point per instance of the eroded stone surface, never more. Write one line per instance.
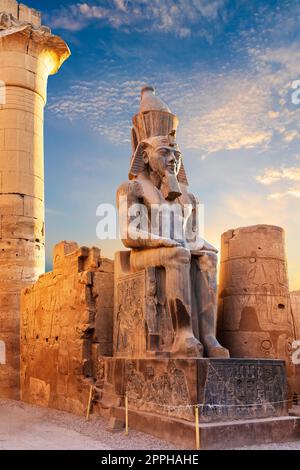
(295, 302)
(226, 389)
(64, 315)
(255, 317)
(28, 54)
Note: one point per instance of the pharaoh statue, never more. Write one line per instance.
(159, 223)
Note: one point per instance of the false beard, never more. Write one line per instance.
(170, 187)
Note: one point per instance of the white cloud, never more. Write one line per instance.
(237, 108)
(282, 176)
(272, 176)
(170, 16)
(225, 111)
(294, 192)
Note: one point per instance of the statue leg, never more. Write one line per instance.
(176, 262)
(206, 303)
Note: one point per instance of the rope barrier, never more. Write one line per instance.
(89, 403)
(197, 430)
(199, 405)
(126, 414)
(198, 408)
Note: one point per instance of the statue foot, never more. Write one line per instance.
(214, 349)
(187, 347)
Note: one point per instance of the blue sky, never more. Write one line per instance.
(226, 67)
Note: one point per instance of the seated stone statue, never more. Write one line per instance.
(158, 220)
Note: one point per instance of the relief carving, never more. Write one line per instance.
(232, 386)
(130, 321)
(165, 393)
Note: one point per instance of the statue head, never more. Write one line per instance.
(161, 159)
(154, 140)
(161, 154)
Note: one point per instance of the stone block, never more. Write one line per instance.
(34, 207)
(60, 251)
(107, 265)
(103, 289)
(20, 227)
(104, 329)
(29, 15)
(15, 160)
(20, 99)
(115, 424)
(9, 6)
(11, 204)
(215, 436)
(254, 242)
(227, 389)
(22, 183)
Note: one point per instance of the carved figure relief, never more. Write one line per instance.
(130, 321)
(165, 393)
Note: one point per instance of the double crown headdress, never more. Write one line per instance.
(154, 119)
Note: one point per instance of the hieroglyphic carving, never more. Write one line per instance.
(152, 319)
(165, 393)
(130, 318)
(244, 389)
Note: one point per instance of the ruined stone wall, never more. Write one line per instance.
(66, 317)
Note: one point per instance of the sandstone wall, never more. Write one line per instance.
(66, 317)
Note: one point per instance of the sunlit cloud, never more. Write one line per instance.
(180, 18)
(227, 111)
(233, 107)
(272, 176)
(283, 176)
(290, 192)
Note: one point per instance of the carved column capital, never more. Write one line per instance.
(38, 40)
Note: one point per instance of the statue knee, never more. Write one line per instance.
(208, 261)
(178, 255)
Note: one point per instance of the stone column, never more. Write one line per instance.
(29, 53)
(254, 318)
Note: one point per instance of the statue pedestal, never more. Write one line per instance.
(245, 398)
(213, 436)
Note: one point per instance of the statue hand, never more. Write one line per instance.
(201, 245)
(165, 242)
